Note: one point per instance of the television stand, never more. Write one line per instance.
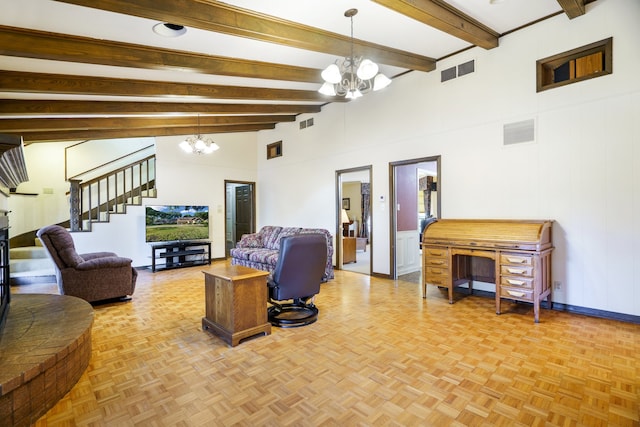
(180, 254)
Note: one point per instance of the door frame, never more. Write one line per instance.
(233, 183)
(393, 226)
(338, 204)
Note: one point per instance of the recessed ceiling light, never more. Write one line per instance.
(169, 30)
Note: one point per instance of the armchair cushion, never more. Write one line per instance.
(93, 255)
(105, 262)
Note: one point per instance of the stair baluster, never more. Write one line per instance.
(94, 200)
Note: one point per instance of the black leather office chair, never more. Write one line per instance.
(297, 277)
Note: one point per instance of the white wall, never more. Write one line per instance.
(582, 170)
(181, 179)
(46, 169)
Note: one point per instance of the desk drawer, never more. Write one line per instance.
(518, 294)
(437, 276)
(517, 282)
(516, 259)
(436, 252)
(513, 270)
(437, 262)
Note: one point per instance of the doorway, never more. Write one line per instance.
(415, 198)
(240, 208)
(354, 220)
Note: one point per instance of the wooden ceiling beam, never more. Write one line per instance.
(63, 47)
(439, 15)
(189, 122)
(14, 81)
(21, 107)
(81, 135)
(227, 19)
(573, 8)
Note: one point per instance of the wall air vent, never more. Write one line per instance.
(518, 132)
(458, 71)
(466, 68)
(448, 74)
(306, 123)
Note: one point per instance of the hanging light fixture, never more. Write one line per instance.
(352, 76)
(197, 144)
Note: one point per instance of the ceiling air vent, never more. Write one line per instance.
(518, 132)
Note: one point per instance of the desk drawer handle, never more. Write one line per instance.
(436, 272)
(515, 282)
(517, 260)
(436, 262)
(516, 271)
(516, 294)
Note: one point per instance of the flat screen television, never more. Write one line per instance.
(174, 223)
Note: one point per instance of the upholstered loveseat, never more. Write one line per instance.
(260, 250)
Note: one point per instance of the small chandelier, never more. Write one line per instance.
(197, 144)
(353, 76)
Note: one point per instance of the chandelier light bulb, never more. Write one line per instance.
(331, 74)
(381, 81)
(327, 89)
(353, 94)
(186, 147)
(367, 69)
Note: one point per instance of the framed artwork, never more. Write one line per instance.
(346, 203)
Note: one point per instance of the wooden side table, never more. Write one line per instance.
(235, 303)
(348, 250)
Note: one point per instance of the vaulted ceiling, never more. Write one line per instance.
(73, 70)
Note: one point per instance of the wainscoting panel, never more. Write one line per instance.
(407, 252)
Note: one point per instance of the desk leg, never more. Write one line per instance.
(497, 276)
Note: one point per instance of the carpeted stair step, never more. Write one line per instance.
(30, 264)
(28, 252)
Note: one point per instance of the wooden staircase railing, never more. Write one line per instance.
(94, 200)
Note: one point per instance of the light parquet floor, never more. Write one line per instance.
(379, 355)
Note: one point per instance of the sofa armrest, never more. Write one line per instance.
(252, 240)
(104, 262)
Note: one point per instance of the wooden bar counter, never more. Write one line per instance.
(235, 303)
(515, 254)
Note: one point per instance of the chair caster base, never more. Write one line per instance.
(292, 315)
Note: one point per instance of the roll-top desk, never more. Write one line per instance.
(514, 254)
